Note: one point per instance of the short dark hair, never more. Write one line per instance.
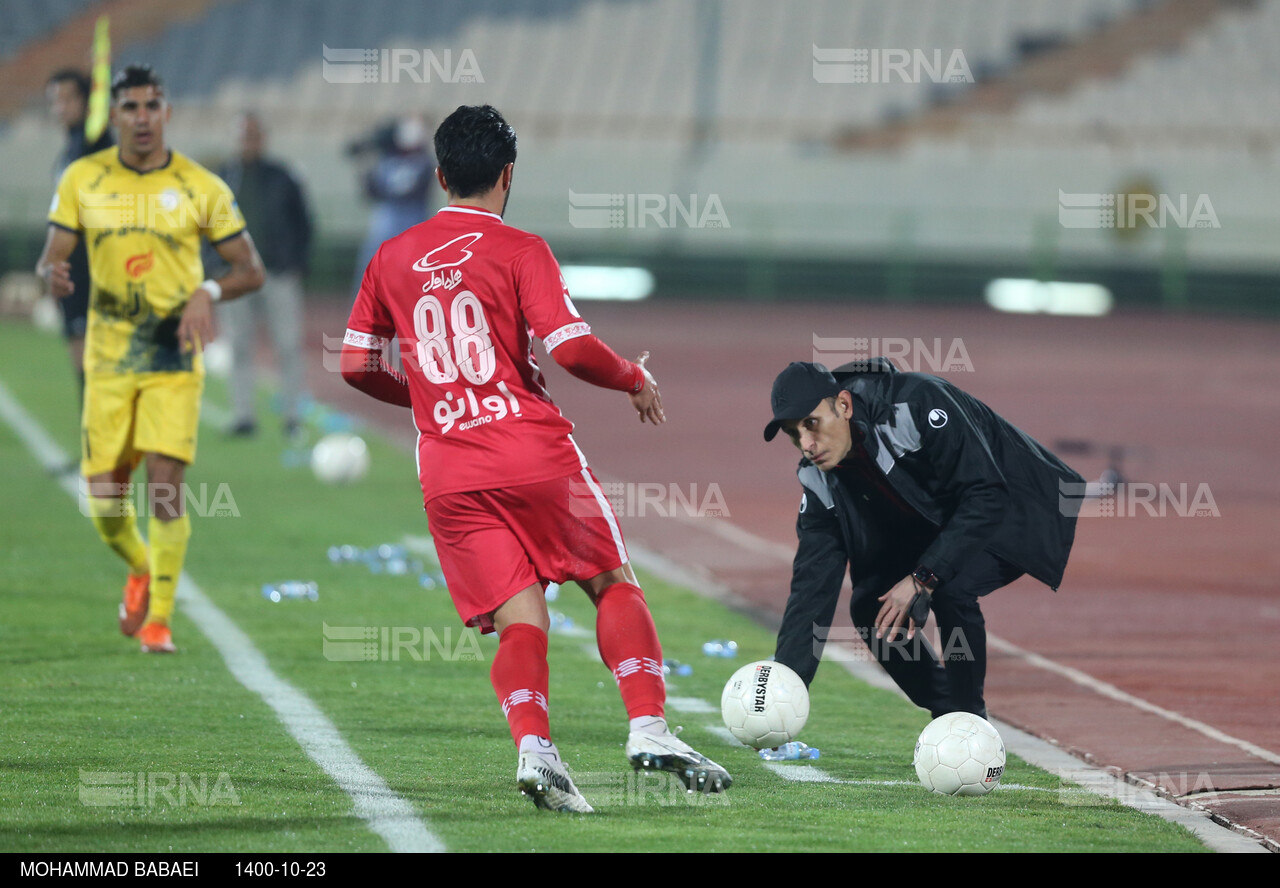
(135, 75)
(72, 75)
(473, 145)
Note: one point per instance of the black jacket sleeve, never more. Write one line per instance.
(816, 577)
(966, 478)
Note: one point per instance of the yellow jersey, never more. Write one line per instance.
(143, 233)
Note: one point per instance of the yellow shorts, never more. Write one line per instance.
(127, 415)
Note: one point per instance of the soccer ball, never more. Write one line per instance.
(959, 754)
(340, 458)
(765, 704)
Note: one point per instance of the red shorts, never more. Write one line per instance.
(493, 543)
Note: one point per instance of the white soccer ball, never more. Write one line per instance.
(765, 704)
(340, 458)
(960, 754)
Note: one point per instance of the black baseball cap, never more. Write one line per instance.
(796, 391)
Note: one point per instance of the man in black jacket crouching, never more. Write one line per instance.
(932, 500)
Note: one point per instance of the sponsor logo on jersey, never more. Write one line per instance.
(137, 266)
(937, 417)
(443, 282)
(448, 255)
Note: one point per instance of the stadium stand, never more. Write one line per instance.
(28, 20)
(669, 97)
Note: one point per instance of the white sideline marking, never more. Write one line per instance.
(725, 734)
(386, 814)
(809, 774)
(691, 704)
(801, 773)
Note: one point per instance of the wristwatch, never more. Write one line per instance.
(926, 578)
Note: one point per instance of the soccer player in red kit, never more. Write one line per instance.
(510, 499)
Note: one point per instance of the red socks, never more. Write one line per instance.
(630, 648)
(628, 644)
(520, 676)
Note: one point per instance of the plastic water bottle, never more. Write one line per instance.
(681, 669)
(719, 648)
(290, 589)
(392, 552)
(789, 752)
(295, 457)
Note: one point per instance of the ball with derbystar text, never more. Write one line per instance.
(765, 704)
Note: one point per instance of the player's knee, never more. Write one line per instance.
(526, 606)
(620, 577)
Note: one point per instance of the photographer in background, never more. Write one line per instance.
(398, 183)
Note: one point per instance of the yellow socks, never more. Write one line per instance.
(116, 523)
(168, 551)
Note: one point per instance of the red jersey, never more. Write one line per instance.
(465, 294)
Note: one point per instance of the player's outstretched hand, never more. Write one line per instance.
(195, 330)
(58, 277)
(648, 401)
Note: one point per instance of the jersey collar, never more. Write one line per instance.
(168, 160)
(475, 211)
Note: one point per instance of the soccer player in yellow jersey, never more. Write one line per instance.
(142, 209)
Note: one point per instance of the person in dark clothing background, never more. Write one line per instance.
(400, 183)
(68, 94)
(275, 209)
(932, 500)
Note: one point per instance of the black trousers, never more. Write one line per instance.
(950, 680)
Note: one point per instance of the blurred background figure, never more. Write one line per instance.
(68, 93)
(398, 183)
(275, 209)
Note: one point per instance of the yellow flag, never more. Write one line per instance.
(99, 95)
